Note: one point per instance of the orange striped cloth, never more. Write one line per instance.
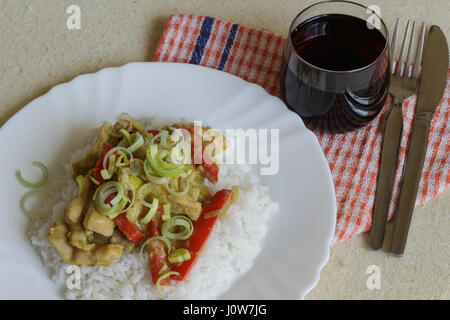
(256, 55)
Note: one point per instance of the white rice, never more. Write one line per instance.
(229, 252)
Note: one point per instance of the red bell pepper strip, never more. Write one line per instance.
(219, 204)
(109, 198)
(202, 230)
(153, 132)
(210, 171)
(157, 250)
(127, 228)
(99, 164)
(209, 168)
(155, 224)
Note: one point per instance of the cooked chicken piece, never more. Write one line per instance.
(134, 212)
(97, 222)
(205, 194)
(137, 165)
(157, 191)
(100, 255)
(96, 254)
(84, 258)
(124, 178)
(185, 204)
(88, 188)
(118, 238)
(57, 235)
(104, 134)
(140, 153)
(104, 255)
(78, 237)
(74, 211)
(99, 239)
(195, 176)
(79, 205)
(81, 167)
(175, 185)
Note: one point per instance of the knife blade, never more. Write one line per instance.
(432, 84)
(435, 69)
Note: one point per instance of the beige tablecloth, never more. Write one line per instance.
(38, 51)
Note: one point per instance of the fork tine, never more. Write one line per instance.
(407, 67)
(418, 60)
(393, 43)
(402, 50)
(394, 37)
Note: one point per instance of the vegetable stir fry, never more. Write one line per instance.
(144, 189)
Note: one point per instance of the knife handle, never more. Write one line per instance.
(408, 190)
(385, 182)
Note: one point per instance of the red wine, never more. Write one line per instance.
(336, 75)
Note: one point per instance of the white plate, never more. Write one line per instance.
(297, 245)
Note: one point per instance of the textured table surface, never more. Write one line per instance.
(37, 51)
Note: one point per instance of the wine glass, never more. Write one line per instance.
(335, 70)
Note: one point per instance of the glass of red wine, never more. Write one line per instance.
(335, 70)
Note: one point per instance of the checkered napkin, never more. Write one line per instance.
(256, 55)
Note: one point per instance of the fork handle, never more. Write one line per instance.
(408, 191)
(385, 182)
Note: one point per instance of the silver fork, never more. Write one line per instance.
(403, 83)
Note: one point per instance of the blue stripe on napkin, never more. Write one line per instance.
(228, 46)
(202, 40)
